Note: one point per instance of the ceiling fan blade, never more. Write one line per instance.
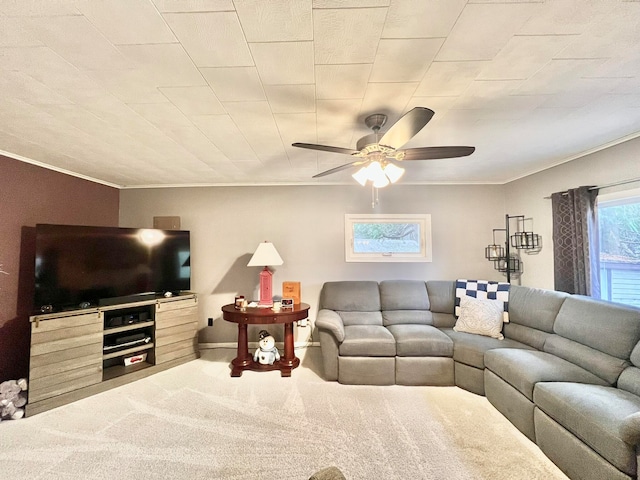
(341, 167)
(406, 127)
(433, 153)
(325, 148)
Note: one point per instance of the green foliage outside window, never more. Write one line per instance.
(620, 231)
(386, 237)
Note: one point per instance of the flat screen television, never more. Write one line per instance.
(81, 266)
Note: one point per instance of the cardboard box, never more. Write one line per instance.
(135, 359)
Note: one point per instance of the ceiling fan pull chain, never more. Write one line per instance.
(374, 197)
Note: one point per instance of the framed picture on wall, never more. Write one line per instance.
(387, 238)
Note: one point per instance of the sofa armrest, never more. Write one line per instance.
(630, 429)
(331, 321)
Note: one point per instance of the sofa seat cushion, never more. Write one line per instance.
(367, 341)
(594, 414)
(420, 341)
(522, 369)
(470, 349)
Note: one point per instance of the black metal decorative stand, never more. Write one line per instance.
(502, 258)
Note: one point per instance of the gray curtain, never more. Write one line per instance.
(575, 241)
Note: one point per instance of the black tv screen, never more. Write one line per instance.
(80, 265)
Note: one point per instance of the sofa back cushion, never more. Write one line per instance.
(405, 301)
(442, 299)
(350, 296)
(531, 336)
(630, 378)
(596, 335)
(534, 307)
(599, 363)
(532, 313)
(357, 302)
(404, 295)
(398, 317)
(610, 328)
(360, 318)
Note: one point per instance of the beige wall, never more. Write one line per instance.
(527, 197)
(306, 224)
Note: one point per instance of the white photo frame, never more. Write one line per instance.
(387, 237)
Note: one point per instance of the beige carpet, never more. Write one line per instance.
(195, 422)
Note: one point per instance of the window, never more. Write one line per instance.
(388, 238)
(619, 227)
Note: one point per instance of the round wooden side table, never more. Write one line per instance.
(264, 316)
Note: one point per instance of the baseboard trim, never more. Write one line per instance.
(234, 345)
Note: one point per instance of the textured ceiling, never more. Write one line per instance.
(185, 92)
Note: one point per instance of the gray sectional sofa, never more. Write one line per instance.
(566, 374)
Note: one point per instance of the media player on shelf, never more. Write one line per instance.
(128, 319)
(127, 341)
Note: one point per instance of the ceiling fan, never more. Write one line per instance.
(374, 151)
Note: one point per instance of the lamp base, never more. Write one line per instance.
(266, 292)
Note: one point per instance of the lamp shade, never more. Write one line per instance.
(265, 254)
(380, 173)
(361, 176)
(394, 172)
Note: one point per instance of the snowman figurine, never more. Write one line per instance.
(267, 353)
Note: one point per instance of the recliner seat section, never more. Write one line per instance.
(583, 421)
(511, 375)
(594, 415)
(468, 354)
(365, 349)
(423, 353)
(567, 373)
(532, 312)
(591, 343)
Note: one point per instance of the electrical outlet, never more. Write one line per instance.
(211, 322)
(303, 323)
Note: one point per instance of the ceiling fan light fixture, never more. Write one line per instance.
(380, 173)
(394, 172)
(361, 176)
(379, 146)
(381, 182)
(377, 175)
(375, 170)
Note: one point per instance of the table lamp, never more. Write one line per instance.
(265, 255)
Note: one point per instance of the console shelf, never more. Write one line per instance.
(126, 328)
(128, 351)
(68, 360)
